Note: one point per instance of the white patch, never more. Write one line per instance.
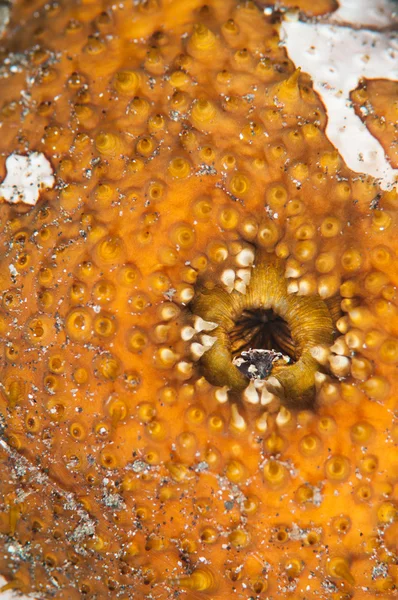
(305, 288)
(202, 325)
(262, 422)
(340, 365)
(250, 394)
(320, 379)
(283, 417)
(292, 271)
(373, 13)
(244, 275)
(237, 421)
(26, 177)
(5, 13)
(320, 354)
(324, 290)
(267, 389)
(184, 368)
(337, 57)
(13, 271)
(228, 278)
(208, 341)
(245, 258)
(340, 347)
(292, 287)
(187, 333)
(342, 325)
(240, 286)
(221, 394)
(198, 350)
(186, 295)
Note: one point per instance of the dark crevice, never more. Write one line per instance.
(262, 330)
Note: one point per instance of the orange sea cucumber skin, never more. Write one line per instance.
(175, 135)
(375, 102)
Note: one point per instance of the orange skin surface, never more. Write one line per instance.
(311, 8)
(375, 102)
(179, 135)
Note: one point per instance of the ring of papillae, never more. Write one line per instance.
(308, 318)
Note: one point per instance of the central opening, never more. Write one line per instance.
(264, 334)
(260, 340)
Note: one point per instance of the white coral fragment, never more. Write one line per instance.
(26, 177)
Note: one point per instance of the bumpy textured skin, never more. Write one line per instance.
(375, 102)
(179, 137)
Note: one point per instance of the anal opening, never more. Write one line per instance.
(262, 329)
